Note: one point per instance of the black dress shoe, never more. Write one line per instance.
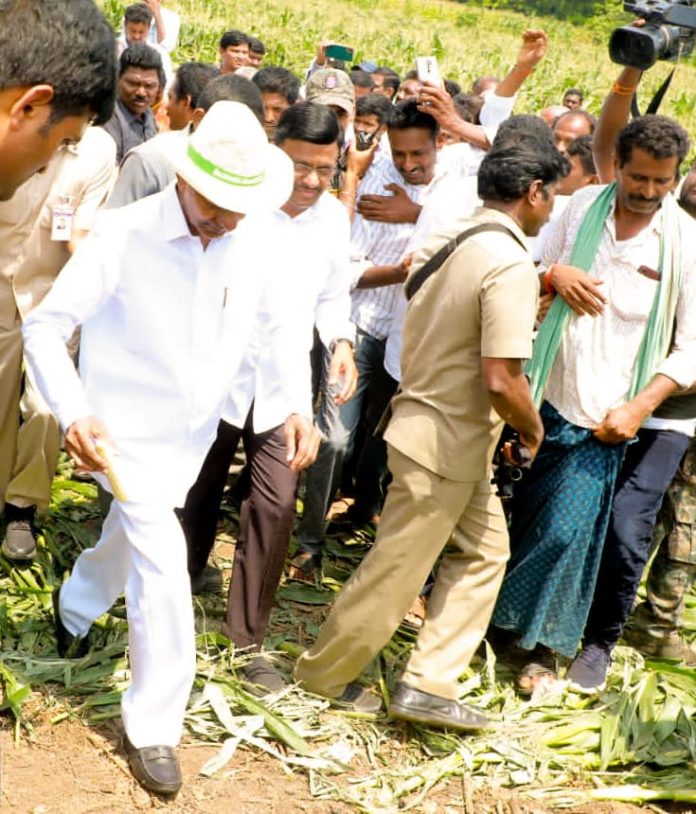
(261, 678)
(356, 698)
(156, 768)
(410, 704)
(69, 646)
(19, 543)
(207, 581)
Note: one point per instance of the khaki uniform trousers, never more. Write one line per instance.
(28, 451)
(10, 381)
(423, 514)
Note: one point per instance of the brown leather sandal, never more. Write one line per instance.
(304, 567)
(541, 670)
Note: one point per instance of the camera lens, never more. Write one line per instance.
(637, 48)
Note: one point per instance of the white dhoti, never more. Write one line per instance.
(142, 550)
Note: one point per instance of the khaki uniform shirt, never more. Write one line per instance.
(481, 302)
(29, 260)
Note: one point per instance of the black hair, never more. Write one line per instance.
(574, 92)
(452, 87)
(522, 126)
(309, 121)
(468, 106)
(191, 78)
(231, 87)
(140, 55)
(478, 85)
(412, 74)
(509, 169)
(658, 136)
(361, 79)
(256, 46)
(233, 37)
(273, 79)
(66, 44)
(391, 77)
(407, 115)
(581, 148)
(374, 105)
(581, 114)
(138, 13)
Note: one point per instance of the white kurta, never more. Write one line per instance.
(165, 326)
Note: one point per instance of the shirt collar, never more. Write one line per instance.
(129, 116)
(173, 223)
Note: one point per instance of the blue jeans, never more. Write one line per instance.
(338, 425)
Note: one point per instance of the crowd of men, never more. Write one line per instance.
(362, 276)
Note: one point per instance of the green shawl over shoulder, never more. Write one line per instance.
(658, 330)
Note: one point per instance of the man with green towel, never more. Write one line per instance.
(600, 375)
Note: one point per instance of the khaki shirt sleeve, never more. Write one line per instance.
(508, 303)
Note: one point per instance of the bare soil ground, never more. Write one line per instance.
(74, 769)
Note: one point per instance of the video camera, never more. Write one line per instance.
(667, 34)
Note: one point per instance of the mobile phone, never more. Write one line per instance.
(342, 52)
(363, 139)
(428, 70)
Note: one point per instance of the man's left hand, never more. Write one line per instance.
(620, 424)
(343, 374)
(396, 208)
(302, 440)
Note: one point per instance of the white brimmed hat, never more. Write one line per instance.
(229, 161)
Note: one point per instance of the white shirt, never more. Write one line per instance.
(453, 198)
(593, 370)
(311, 286)
(464, 158)
(538, 243)
(374, 243)
(164, 328)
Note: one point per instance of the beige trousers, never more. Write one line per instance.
(10, 381)
(28, 451)
(423, 514)
(38, 447)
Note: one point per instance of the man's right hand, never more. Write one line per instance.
(358, 161)
(79, 444)
(578, 289)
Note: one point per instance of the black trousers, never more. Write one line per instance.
(265, 525)
(646, 473)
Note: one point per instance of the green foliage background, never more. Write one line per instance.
(469, 38)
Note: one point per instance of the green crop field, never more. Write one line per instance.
(468, 39)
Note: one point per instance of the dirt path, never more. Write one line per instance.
(73, 769)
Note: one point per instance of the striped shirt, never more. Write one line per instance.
(379, 244)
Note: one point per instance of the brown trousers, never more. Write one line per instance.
(265, 525)
(423, 514)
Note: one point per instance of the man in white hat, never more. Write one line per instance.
(167, 308)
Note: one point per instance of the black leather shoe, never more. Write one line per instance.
(261, 677)
(410, 704)
(69, 646)
(207, 581)
(356, 698)
(156, 768)
(19, 543)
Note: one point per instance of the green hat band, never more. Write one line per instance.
(223, 175)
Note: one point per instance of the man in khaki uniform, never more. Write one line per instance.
(39, 229)
(467, 330)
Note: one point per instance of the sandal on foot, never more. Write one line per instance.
(304, 567)
(534, 674)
